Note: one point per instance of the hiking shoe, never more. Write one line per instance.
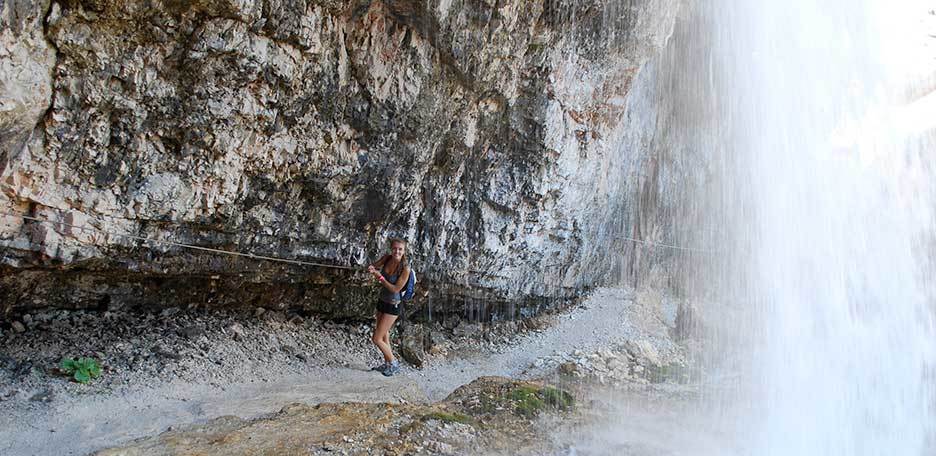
(393, 368)
(381, 367)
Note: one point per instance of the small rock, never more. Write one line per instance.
(43, 396)
(237, 331)
(302, 357)
(160, 351)
(451, 323)
(568, 368)
(259, 311)
(27, 319)
(18, 327)
(190, 332)
(465, 329)
(538, 323)
(440, 448)
(643, 349)
(275, 316)
(169, 312)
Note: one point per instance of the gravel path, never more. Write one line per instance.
(77, 423)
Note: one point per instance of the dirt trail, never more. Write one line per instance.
(78, 425)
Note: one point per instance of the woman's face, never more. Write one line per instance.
(397, 249)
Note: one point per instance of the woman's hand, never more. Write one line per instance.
(371, 269)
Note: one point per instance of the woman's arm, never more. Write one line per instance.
(379, 263)
(401, 281)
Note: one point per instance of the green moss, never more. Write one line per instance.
(557, 398)
(529, 400)
(533, 48)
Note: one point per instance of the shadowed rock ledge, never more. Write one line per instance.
(508, 142)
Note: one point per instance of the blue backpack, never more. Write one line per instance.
(406, 294)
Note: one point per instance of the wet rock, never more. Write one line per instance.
(18, 327)
(644, 352)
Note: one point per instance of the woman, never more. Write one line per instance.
(392, 272)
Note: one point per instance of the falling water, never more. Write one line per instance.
(828, 191)
(816, 121)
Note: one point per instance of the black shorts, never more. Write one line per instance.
(391, 309)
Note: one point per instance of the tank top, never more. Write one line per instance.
(386, 295)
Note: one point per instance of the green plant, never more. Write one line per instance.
(531, 400)
(557, 398)
(81, 369)
(527, 402)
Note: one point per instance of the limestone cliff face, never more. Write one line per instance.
(506, 140)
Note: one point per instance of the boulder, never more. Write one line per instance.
(413, 344)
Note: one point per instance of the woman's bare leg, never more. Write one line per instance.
(381, 337)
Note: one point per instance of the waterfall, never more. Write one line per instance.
(827, 206)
